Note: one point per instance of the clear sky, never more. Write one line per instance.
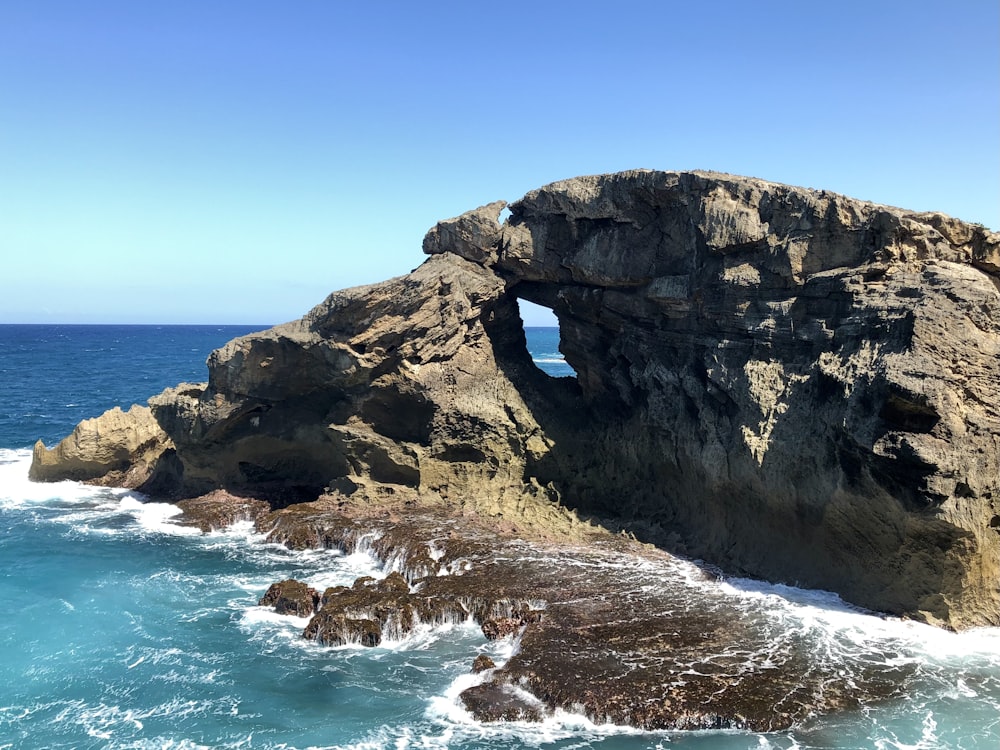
(235, 161)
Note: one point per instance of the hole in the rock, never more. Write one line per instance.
(504, 213)
(541, 332)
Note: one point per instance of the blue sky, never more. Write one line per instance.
(233, 162)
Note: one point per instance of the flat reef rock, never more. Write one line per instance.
(785, 382)
(598, 631)
(219, 510)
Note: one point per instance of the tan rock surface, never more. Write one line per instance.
(119, 447)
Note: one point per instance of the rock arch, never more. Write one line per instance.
(786, 382)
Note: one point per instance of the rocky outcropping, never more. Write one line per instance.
(291, 597)
(788, 383)
(795, 383)
(117, 448)
(363, 612)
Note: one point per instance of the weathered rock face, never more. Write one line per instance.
(796, 384)
(121, 448)
(788, 383)
(385, 389)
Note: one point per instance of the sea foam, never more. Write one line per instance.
(17, 490)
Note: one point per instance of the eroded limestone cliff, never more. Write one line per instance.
(787, 383)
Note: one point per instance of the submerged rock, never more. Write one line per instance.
(785, 382)
(497, 701)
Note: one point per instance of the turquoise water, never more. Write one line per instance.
(122, 630)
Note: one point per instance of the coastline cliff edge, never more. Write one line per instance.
(785, 383)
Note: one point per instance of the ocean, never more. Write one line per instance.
(123, 630)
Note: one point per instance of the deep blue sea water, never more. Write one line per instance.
(122, 630)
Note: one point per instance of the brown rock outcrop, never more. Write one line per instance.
(220, 509)
(499, 701)
(119, 448)
(794, 383)
(786, 382)
(291, 597)
(482, 663)
(599, 632)
(370, 610)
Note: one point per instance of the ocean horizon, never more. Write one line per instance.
(126, 630)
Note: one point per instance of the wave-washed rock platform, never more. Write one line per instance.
(605, 626)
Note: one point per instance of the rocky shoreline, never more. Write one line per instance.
(786, 383)
(599, 632)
